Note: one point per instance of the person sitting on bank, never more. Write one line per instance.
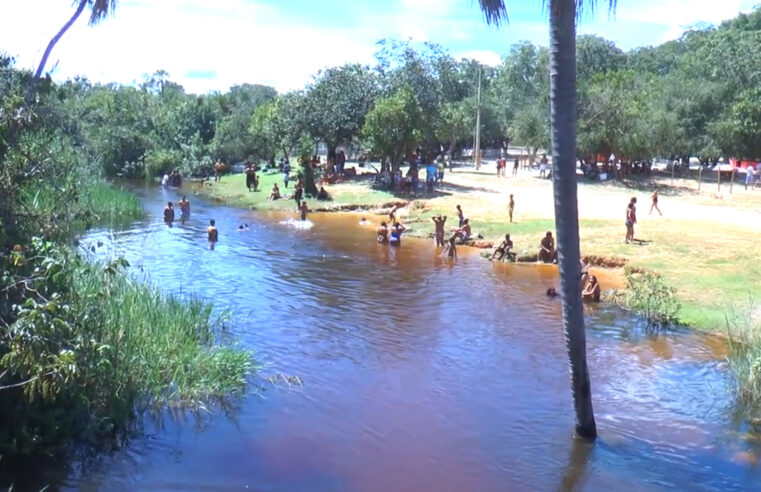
(503, 250)
(591, 292)
(275, 193)
(547, 252)
(322, 194)
(464, 232)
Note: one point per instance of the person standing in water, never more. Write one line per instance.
(395, 238)
(382, 237)
(304, 210)
(212, 233)
(439, 234)
(169, 213)
(450, 250)
(184, 208)
(510, 208)
(592, 291)
(654, 205)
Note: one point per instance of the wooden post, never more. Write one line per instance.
(732, 181)
(673, 166)
(718, 176)
(700, 176)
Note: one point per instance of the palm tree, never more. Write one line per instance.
(563, 15)
(99, 10)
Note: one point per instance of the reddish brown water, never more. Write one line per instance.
(418, 375)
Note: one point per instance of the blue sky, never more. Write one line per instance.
(212, 44)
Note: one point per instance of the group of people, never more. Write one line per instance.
(169, 216)
(502, 167)
(173, 179)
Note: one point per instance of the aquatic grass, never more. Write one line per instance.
(92, 347)
(744, 334)
(111, 205)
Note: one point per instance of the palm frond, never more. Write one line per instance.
(495, 11)
(100, 9)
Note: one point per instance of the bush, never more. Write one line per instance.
(651, 298)
(86, 348)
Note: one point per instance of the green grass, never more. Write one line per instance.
(111, 205)
(93, 347)
(744, 335)
(232, 190)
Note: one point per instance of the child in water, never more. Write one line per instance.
(212, 233)
(304, 210)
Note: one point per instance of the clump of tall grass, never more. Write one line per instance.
(110, 205)
(744, 333)
(90, 347)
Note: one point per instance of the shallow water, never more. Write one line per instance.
(418, 374)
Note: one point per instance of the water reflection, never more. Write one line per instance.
(418, 374)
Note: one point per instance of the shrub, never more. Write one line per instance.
(744, 358)
(651, 298)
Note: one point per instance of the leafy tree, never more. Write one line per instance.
(739, 132)
(392, 127)
(455, 123)
(336, 104)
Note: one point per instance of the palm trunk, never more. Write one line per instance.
(57, 37)
(563, 105)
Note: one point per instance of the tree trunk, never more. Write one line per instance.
(57, 37)
(563, 106)
(310, 188)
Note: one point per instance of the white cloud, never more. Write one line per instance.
(486, 57)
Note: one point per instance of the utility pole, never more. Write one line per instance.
(477, 145)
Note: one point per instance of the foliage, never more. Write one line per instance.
(744, 335)
(392, 126)
(649, 296)
(88, 347)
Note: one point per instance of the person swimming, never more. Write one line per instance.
(363, 221)
(382, 233)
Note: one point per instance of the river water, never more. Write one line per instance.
(417, 374)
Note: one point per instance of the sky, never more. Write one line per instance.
(211, 45)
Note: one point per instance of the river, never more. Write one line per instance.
(417, 374)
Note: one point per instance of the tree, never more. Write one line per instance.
(99, 10)
(336, 104)
(563, 124)
(455, 122)
(392, 127)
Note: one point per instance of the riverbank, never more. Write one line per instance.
(705, 244)
(87, 347)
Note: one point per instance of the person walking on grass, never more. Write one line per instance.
(654, 205)
(510, 208)
(286, 172)
(515, 167)
(631, 219)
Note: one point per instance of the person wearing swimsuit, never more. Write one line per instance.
(382, 233)
(212, 233)
(395, 238)
(654, 197)
(631, 219)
